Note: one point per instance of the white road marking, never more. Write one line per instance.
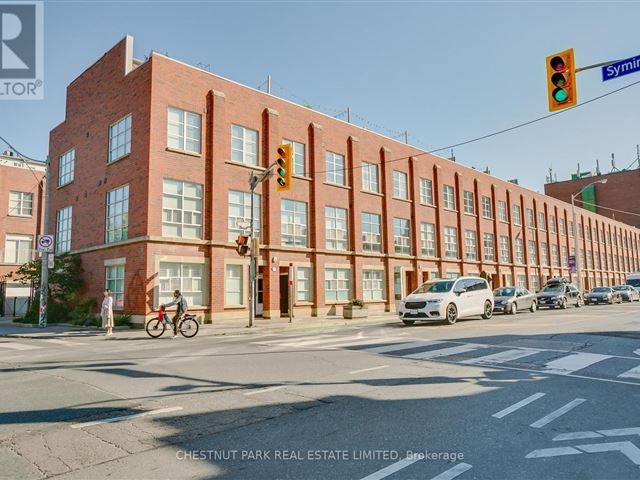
(349, 343)
(633, 373)
(276, 387)
(576, 436)
(368, 369)
(501, 357)
(401, 346)
(573, 362)
(18, 346)
(619, 432)
(61, 342)
(303, 340)
(553, 452)
(519, 405)
(126, 417)
(637, 352)
(393, 468)
(444, 352)
(557, 413)
(628, 449)
(453, 472)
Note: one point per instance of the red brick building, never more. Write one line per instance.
(21, 220)
(150, 179)
(620, 194)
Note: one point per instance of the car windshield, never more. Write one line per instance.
(504, 292)
(601, 290)
(621, 287)
(634, 282)
(553, 288)
(435, 287)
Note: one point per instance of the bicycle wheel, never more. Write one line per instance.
(155, 328)
(189, 327)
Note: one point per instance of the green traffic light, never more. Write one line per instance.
(560, 95)
(282, 172)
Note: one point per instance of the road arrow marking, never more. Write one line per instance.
(637, 352)
(616, 432)
(628, 449)
(553, 452)
(576, 436)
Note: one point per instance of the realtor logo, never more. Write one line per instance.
(21, 30)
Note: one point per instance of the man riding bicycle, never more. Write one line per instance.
(180, 301)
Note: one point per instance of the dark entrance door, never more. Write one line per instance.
(284, 294)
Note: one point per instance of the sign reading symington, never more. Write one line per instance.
(623, 67)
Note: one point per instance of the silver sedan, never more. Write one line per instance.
(628, 293)
(513, 299)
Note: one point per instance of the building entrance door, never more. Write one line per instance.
(284, 292)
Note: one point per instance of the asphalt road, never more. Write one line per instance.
(550, 395)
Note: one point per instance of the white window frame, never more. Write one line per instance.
(117, 214)
(505, 250)
(502, 211)
(426, 191)
(488, 247)
(335, 166)
(304, 279)
(471, 245)
(469, 202)
(189, 128)
(66, 167)
(542, 221)
(114, 276)
(245, 146)
(519, 248)
(370, 181)
(22, 249)
(449, 197)
(373, 285)
(18, 202)
(299, 230)
(196, 223)
(400, 185)
(533, 252)
(401, 243)
(544, 254)
(336, 221)
(64, 220)
(371, 240)
(516, 214)
(428, 239)
(298, 154)
(244, 205)
(337, 281)
(229, 290)
(487, 211)
(119, 139)
(451, 242)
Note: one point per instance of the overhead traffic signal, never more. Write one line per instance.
(284, 167)
(561, 85)
(242, 243)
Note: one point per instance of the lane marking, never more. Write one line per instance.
(277, 387)
(18, 346)
(628, 449)
(353, 343)
(368, 369)
(444, 352)
(633, 373)
(576, 436)
(553, 452)
(518, 405)
(402, 346)
(61, 342)
(393, 468)
(571, 363)
(453, 472)
(502, 357)
(557, 413)
(618, 432)
(126, 417)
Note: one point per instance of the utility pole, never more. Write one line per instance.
(44, 259)
(269, 83)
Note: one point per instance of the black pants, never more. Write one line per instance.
(175, 320)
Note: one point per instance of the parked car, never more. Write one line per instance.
(513, 299)
(448, 300)
(628, 293)
(602, 295)
(633, 279)
(559, 293)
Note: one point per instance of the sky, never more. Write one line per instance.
(445, 72)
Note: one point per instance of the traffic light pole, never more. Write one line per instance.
(44, 259)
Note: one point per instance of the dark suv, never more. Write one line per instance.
(559, 293)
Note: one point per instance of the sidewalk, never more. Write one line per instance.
(220, 327)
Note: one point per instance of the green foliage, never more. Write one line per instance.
(356, 302)
(122, 320)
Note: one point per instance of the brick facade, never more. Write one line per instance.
(116, 86)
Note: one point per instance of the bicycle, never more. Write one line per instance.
(188, 326)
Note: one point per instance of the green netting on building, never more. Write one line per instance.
(589, 198)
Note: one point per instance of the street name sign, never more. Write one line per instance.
(623, 67)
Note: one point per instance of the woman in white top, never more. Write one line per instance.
(107, 312)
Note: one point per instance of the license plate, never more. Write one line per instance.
(413, 312)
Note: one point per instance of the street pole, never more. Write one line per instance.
(575, 244)
(44, 259)
(252, 184)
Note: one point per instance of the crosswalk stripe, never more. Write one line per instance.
(401, 346)
(316, 341)
(351, 343)
(518, 405)
(18, 346)
(557, 413)
(501, 357)
(573, 362)
(295, 340)
(61, 342)
(633, 373)
(444, 352)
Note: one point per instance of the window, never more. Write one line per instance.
(562, 226)
(336, 228)
(587, 232)
(304, 292)
(181, 209)
(63, 230)
(521, 281)
(66, 166)
(298, 154)
(117, 223)
(337, 285)
(489, 247)
(428, 239)
(535, 283)
(186, 277)
(516, 215)
(533, 253)
(449, 197)
(552, 223)
(541, 221)
(293, 218)
(426, 191)
(555, 261)
(371, 232)
(21, 204)
(401, 236)
(114, 281)
(183, 130)
(519, 251)
(450, 242)
(469, 204)
(505, 253)
(240, 212)
(370, 178)
(233, 285)
(400, 185)
(502, 211)
(244, 145)
(471, 245)
(17, 249)
(372, 284)
(120, 141)
(572, 232)
(335, 168)
(531, 218)
(544, 254)
(486, 207)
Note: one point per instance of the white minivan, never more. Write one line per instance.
(448, 300)
(633, 279)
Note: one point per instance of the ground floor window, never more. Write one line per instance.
(233, 285)
(114, 281)
(521, 281)
(535, 283)
(372, 284)
(303, 284)
(186, 277)
(337, 286)
(17, 249)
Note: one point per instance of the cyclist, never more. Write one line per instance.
(181, 303)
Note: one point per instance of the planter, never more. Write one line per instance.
(351, 311)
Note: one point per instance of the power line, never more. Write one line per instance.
(606, 208)
(24, 159)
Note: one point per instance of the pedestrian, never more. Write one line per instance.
(107, 312)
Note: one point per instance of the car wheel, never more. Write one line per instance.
(451, 314)
(514, 309)
(488, 310)
(408, 323)
(563, 305)
(534, 307)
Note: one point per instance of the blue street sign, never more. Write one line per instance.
(572, 263)
(623, 67)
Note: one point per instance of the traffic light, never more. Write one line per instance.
(561, 84)
(242, 243)
(284, 167)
